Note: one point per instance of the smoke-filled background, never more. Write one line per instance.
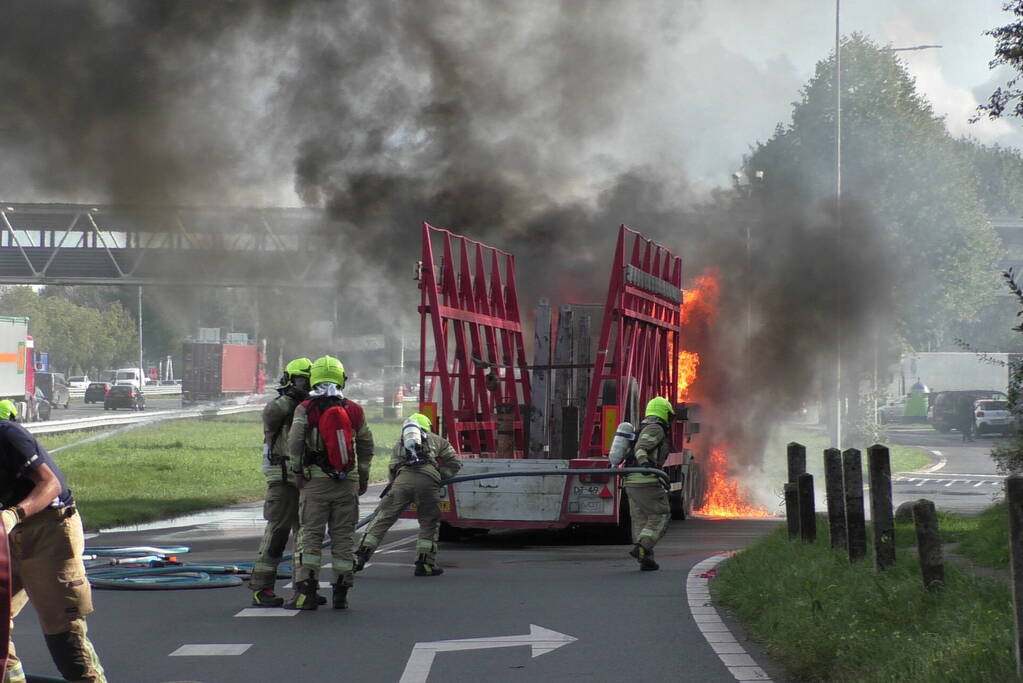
(536, 126)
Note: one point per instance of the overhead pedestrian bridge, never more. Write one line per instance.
(82, 244)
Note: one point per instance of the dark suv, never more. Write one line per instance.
(97, 391)
(124, 396)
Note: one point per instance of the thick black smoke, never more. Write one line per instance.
(506, 120)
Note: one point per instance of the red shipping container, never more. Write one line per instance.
(239, 369)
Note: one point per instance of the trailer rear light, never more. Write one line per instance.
(594, 478)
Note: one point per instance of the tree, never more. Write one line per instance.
(898, 158)
(77, 338)
(1008, 52)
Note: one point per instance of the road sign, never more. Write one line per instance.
(42, 361)
(541, 640)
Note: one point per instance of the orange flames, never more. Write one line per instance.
(688, 361)
(722, 497)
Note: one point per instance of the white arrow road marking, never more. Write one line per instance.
(542, 640)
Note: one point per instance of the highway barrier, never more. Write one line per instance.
(118, 419)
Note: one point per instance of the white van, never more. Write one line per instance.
(132, 376)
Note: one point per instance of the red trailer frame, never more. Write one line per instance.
(472, 309)
(639, 338)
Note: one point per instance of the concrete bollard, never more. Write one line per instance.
(797, 460)
(807, 508)
(928, 542)
(792, 510)
(856, 532)
(1014, 503)
(835, 496)
(882, 515)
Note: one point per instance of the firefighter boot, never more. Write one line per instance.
(340, 595)
(645, 558)
(426, 567)
(362, 556)
(305, 597)
(266, 598)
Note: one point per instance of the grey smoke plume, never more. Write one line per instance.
(523, 123)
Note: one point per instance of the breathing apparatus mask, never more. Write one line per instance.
(412, 439)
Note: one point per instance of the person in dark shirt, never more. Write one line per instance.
(46, 543)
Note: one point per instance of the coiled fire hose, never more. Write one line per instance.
(152, 568)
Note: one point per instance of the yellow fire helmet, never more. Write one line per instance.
(660, 407)
(422, 420)
(327, 369)
(8, 411)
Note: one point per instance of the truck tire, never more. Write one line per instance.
(677, 505)
(448, 533)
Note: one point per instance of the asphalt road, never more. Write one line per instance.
(78, 408)
(963, 477)
(596, 616)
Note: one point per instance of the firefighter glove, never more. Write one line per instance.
(10, 518)
(363, 483)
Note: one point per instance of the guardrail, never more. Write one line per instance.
(57, 426)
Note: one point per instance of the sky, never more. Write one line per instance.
(225, 110)
(775, 45)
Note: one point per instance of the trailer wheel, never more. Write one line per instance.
(677, 505)
(449, 533)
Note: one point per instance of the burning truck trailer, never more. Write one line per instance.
(560, 413)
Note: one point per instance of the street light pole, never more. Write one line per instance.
(838, 221)
(142, 369)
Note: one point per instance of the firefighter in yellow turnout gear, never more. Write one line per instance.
(46, 540)
(419, 461)
(329, 498)
(648, 501)
(280, 509)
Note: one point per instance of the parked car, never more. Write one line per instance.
(96, 392)
(54, 387)
(891, 411)
(992, 416)
(79, 381)
(124, 396)
(947, 407)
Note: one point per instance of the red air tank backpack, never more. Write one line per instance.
(331, 418)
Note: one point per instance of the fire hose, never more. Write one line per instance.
(151, 568)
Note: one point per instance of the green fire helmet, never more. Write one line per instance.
(8, 410)
(660, 407)
(327, 369)
(422, 420)
(299, 366)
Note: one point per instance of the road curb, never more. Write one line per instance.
(733, 655)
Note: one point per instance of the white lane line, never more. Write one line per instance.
(922, 482)
(979, 483)
(731, 653)
(951, 482)
(267, 612)
(211, 650)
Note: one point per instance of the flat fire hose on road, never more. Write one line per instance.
(150, 568)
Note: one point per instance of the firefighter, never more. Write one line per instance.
(280, 509)
(648, 501)
(46, 544)
(419, 461)
(329, 494)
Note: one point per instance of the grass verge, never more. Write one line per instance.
(181, 466)
(903, 458)
(824, 619)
